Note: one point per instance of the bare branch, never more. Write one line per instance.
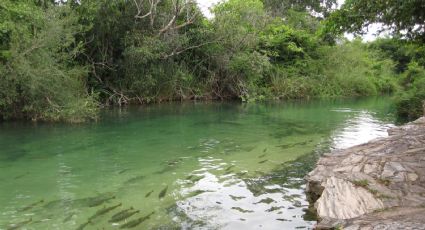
(177, 52)
(178, 10)
(168, 26)
(143, 16)
(190, 21)
(151, 13)
(139, 9)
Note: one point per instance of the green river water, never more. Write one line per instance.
(178, 166)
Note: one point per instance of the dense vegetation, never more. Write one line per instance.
(405, 21)
(62, 60)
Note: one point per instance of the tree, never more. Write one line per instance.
(39, 79)
(238, 65)
(133, 47)
(405, 18)
(280, 7)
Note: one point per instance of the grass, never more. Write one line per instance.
(384, 196)
(376, 193)
(382, 210)
(385, 182)
(361, 183)
(339, 227)
(373, 191)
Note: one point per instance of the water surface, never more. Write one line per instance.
(183, 166)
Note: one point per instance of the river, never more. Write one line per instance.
(178, 166)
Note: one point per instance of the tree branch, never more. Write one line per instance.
(177, 52)
(177, 12)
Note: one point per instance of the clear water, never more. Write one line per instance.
(191, 166)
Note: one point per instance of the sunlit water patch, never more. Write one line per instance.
(177, 166)
(359, 129)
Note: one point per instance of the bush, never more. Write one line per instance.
(409, 102)
(348, 69)
(40, 81)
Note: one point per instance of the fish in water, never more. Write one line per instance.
(19, 225)
(68, 218)
(83, 225)
(20, 176)
(123, 215)
(228, 172)
(265, 150)
(31, 206)
(136, 222)
(122, 212)
(134, 179)
(163, 192)
(123, 171)
(196, 178)
(262, 155)
(241, 173)
(230, 167)
(264, 161)
(173, 162)
(47, 218)
(149, 193)
(292, 145)
(104, 210)
(93, 202)
(165, 169)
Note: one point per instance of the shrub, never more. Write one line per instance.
(409, 102)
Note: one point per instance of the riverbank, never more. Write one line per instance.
(380, 184)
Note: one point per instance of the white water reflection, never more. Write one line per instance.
(224, 201)
(362, 128)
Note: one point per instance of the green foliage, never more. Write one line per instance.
(410, 59)
(285, 44)
(39, 80)
(238, 67)
(17, 18)
(139, 60)
(402, 52)
(353, 70)
(281, 7)
(401, 17)
(348, 69)
(409, 102)
(123, 52)
(361, 183)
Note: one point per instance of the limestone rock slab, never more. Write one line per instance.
(367, 180)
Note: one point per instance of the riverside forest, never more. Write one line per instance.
(152, 114)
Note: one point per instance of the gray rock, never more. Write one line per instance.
(341, 199)
(375, 185)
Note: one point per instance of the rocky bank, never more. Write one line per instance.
(377, 185)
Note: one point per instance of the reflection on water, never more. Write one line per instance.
(189, 166)
(227, 200)
(361, 128)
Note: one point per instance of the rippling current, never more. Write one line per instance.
(178, 166)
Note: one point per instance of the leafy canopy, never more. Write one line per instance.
(406, 18)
